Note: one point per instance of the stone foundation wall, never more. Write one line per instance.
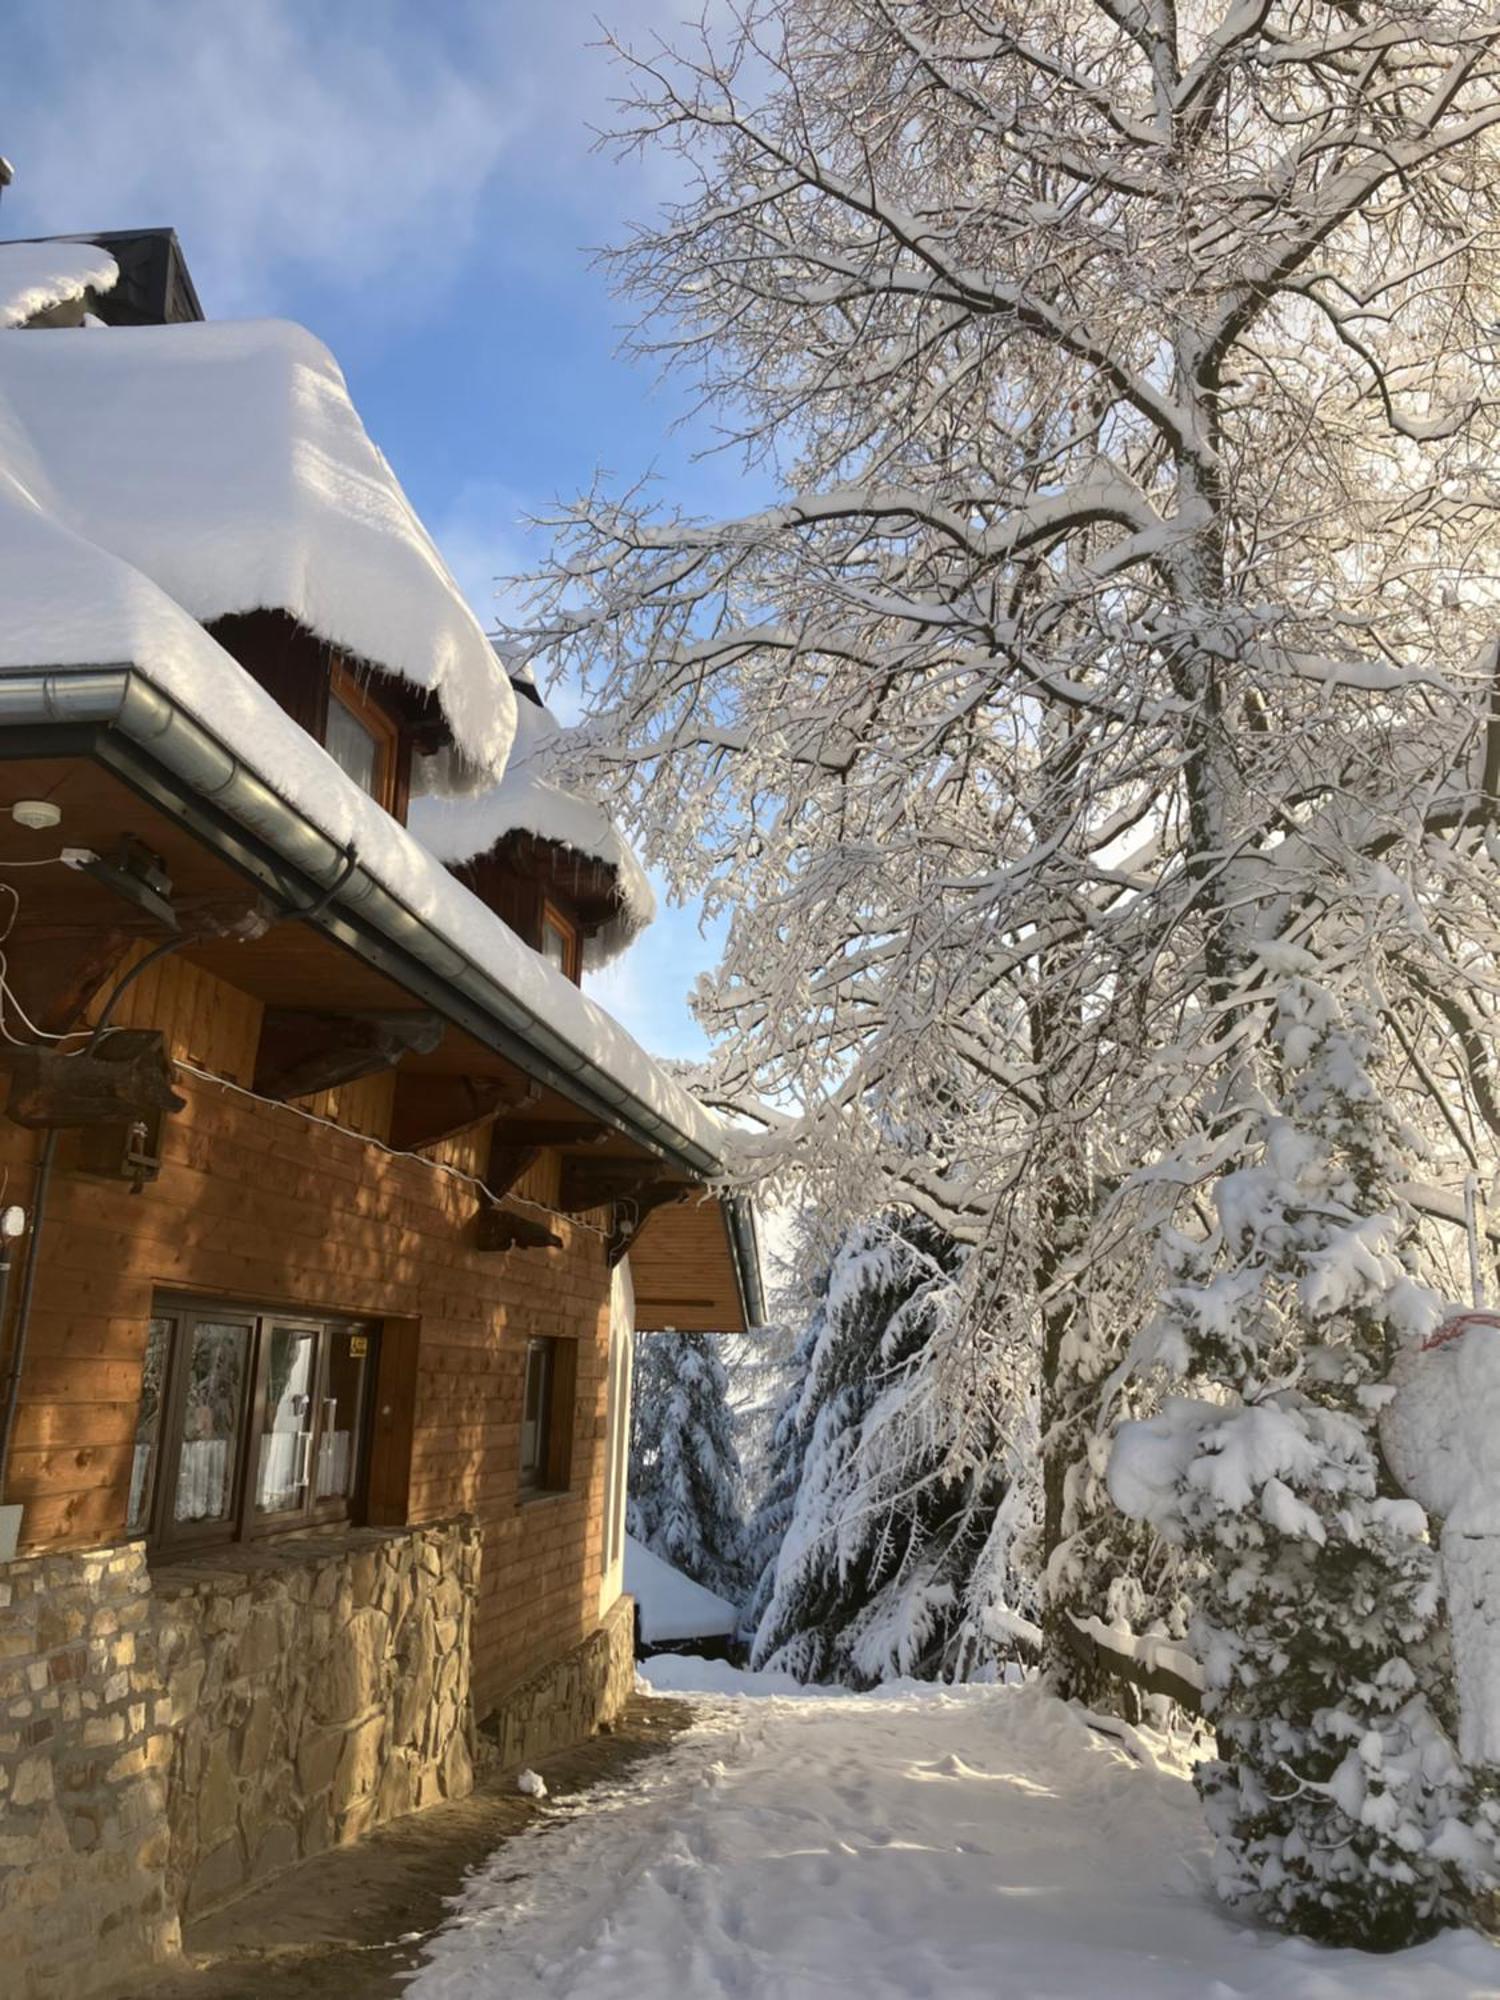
(317, 1688)
(170, 1736)
(569, 1700)
(83, 1763)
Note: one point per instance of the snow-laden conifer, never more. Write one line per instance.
(1339, 1802)
(893, 1554)
(781, 1474)
(686, 1498)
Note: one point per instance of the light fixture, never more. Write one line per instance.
(38, 814)
(12, 1222)
(138, 875)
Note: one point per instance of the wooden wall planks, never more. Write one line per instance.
(254, 1202)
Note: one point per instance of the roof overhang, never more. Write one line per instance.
(115, 715)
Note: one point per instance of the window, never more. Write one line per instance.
(547, 1417)
(360, 737)
(621, 1342)
(249, 1422)
(560, 942)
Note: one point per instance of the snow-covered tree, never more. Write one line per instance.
(888, 1528)
(1339, 1801)
(781, 1474)
(686, 1497)
(1127, 375)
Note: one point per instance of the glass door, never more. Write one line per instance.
(288, 1417)
(342, 1411)
(213, 1382)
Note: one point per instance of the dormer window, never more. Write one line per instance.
(560, 942)
(360, 738)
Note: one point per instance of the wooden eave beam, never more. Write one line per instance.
(57, 970)
(429, 1108)
(303, 1051)
(558, 1132)
(595, 1183)
(499, 1228)
(127, 1078)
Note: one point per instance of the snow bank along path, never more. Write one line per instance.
(912, 1842)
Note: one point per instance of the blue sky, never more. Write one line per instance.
(418, 184)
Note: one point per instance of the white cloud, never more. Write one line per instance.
(352, 142)
(280, 138)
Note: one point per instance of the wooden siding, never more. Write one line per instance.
(683, 1271)
(204, 1019)
(363, 1106)
(255, 1202)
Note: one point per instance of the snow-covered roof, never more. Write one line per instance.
(460, 826)
(671, 1605)
(225, 465)
(67, 602)
(34, 277)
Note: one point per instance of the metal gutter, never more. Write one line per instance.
(744, 1249)
(359, 910)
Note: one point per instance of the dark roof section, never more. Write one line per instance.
(155, 287)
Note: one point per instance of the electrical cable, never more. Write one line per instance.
(93, 1036)
(392, 1152)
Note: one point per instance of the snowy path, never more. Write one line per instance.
(979, 1842)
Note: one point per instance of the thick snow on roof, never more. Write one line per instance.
(226, 463)
(36, 276)
(671, 1605)
(67, 602)
(457, 828)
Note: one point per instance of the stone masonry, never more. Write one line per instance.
(318, 1686)
(169, 1737)
(569, 1700)
(83, 1767)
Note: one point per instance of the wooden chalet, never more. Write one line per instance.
(330, 1202)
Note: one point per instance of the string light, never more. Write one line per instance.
(392, 1152)
(8, 998)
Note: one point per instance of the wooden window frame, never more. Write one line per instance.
(553, 918)
(617, 1464)
(346, 688)
(553, 1474)
(243, 1522)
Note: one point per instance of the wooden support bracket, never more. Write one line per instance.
(302, 1052)
(630, 1212)
(429, 1108)
(56, 971)
(595, 1183)
(501, 1228)
(507, 1165)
